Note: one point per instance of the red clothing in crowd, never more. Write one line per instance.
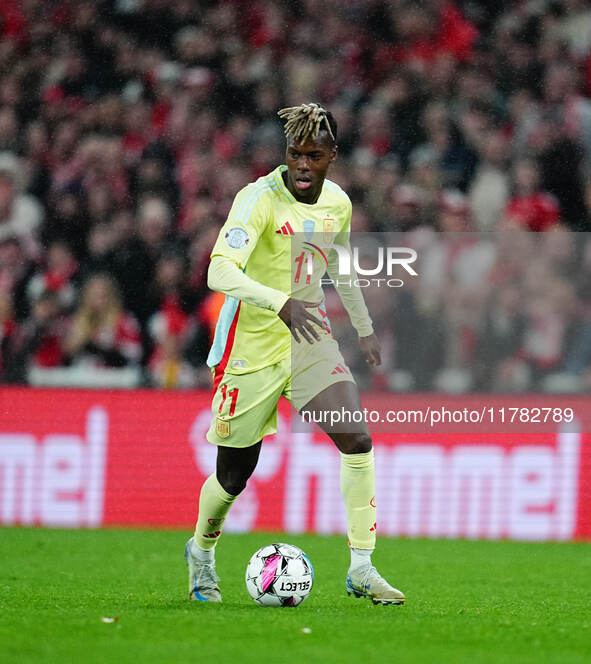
(455, 36)
(537, 212)
(7, 330)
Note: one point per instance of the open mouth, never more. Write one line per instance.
(303, 183)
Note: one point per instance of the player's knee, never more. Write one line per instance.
(358, 443)
(233, 481)
(235, 465)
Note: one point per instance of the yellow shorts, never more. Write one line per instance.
(244, 406)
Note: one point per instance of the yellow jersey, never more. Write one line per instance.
(267, 237)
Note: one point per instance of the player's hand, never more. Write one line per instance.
(300, 321)
(370, 347)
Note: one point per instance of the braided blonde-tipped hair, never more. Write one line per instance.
(305, 122)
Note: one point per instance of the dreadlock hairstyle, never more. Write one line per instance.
(305, 122)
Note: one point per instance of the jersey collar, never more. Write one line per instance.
(279, 179)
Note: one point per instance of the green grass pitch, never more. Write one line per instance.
(467, 602)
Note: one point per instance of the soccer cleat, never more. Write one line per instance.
(367, 582)
(203, 581)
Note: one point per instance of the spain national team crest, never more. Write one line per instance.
(222, 428)
(327, 229)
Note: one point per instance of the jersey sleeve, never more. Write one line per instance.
(246, 222)
(224, 276)
(238, 237)
(350, 294)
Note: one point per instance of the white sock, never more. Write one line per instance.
(201, 555)
(360, 557)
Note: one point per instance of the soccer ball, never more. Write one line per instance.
(279, 575)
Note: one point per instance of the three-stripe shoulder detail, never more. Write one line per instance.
(252, 194)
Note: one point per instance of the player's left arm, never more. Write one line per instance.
(353, 301)
(370, 347)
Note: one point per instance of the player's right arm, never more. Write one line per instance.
(248, 218)
(236, 241)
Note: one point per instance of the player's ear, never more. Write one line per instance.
(334, 153)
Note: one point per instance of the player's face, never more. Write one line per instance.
(307, 164)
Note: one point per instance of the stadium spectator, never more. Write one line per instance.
(20, 214)
(59, 276)
(171, 302)
(38, 342)
(489, 190)
(7, 330)
(407, 212)
(154, 225)
(167, 366)
(178, 340)
(531, 207)
(499, 366)
(102, 333)
(550, 302)
(577, 358)
(15, 271)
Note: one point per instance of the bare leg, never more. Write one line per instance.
(343, 395)
(358, 489)
(235, 465)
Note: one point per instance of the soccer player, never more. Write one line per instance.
(273, 294)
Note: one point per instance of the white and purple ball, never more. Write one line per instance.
(279, 575)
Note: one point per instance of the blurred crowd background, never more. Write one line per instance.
(127, 127)
(492, 312)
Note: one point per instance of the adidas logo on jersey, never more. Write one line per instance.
(286, 229)
(340, 369)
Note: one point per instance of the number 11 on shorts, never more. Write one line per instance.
(233, 394)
